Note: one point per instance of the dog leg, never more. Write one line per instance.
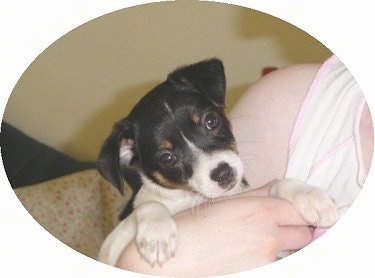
(156, 235)
(314, 204)
(117, 240)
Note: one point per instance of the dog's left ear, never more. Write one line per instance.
(117, 152)
(207, 76)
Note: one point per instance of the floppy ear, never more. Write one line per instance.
(117, 152)
(207, 76)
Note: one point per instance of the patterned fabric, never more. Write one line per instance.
(79, 209)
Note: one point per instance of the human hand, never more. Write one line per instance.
(226, 237)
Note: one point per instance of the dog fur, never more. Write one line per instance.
(176, 150)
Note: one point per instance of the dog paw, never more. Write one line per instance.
(316, 207)
(157, 240)
(314, 204)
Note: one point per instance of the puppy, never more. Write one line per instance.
(176, 150)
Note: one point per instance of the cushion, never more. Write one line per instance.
(79, 209)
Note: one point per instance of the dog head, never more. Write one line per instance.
(177, 136)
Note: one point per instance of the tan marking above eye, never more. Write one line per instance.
(165, 144)
(195, 117)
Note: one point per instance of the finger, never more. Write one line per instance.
(286, 214)
(293, 238)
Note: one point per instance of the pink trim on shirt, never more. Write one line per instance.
(330, 154)
(309, 96)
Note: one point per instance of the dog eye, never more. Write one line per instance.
(167, 159)
(211, 120)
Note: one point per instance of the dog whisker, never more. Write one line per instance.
(204, 206)
(198, 203)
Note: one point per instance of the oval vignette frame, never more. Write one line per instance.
(90, 267)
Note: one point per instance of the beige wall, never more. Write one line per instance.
(72, 93)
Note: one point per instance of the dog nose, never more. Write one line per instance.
(223, 174)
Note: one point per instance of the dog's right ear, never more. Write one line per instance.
(206, 76)
(117, 152)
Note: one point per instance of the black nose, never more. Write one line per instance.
(224, 175)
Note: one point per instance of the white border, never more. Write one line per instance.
(28, 27)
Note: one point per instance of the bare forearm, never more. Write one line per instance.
(215, 240)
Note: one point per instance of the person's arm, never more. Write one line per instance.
(240, 234)
(226, 237)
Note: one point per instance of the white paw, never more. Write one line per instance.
(157, 239)
(314, 204)
(316, 207)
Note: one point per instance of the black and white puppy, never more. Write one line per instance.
(176, 150)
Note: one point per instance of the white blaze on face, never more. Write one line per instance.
(205, 163)
(203, 166)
